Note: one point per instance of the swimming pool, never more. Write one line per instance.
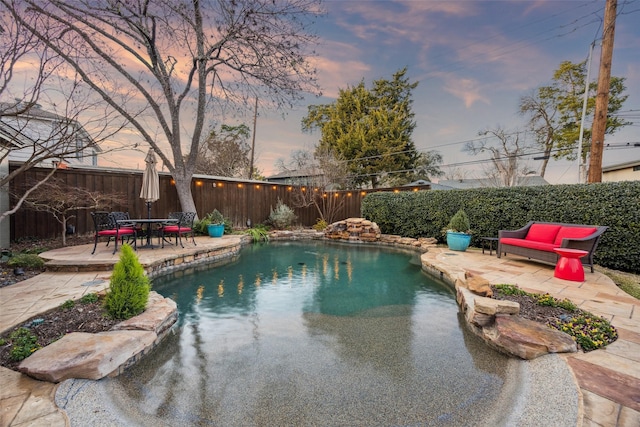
(313, 334)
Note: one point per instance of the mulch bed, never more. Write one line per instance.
(530, 309)
(82, 317)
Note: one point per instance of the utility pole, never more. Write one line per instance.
(581, 160)
(253, 139)
(602, 97)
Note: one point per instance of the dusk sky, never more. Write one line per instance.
(473, 61)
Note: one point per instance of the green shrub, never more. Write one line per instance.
(68, 304)
(214, 217)
(426, 213)
(128, 288)
(320, 225)
(25, 261)
(228, 229)
(24, 343)
(200, 226)
(89, 298)
(549, 301)
(258, 233)
(282, 216)
(459, 223)
(506, 289)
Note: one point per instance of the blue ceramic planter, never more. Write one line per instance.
(215, 230)
(458, 241)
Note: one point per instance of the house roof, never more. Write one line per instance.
(619, 166)
(40, 121)
(9, 135)
(293, 174)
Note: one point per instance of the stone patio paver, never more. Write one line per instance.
(609, 378)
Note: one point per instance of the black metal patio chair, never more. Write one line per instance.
(184, 225)
(107, 226)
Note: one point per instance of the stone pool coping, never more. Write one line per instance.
(31, 396)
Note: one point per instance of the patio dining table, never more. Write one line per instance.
(149, 222)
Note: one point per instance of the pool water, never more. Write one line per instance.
(313, 334)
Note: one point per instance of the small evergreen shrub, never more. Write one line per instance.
(128, 288)
(282, 216)
(215, 217)
(25, 261)
(24, 343)
(459, 223)
(320, 225)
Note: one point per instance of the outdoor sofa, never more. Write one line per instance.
(536, 240)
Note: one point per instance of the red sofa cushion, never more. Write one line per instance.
(545, 233)
(531, 244)
(573, 232)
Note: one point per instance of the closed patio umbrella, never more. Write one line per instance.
(150, 191)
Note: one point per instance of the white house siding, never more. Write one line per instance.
(42, 132)
(622, 172)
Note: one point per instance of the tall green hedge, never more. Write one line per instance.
(426, 213)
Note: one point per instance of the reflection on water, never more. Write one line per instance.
(316, 334)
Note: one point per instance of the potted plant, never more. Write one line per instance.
(216, 223)
(458, 232)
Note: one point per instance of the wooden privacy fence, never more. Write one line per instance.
(238, 200)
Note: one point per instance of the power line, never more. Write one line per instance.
(612, 146)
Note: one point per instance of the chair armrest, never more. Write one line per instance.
(520, 233)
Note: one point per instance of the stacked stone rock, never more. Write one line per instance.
(353, 229)
(498, 324)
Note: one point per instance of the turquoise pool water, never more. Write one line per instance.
(313, 334)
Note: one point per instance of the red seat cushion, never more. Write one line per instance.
(545, 233)
(531, 244)
(176, 229)
(114, 232)
(573, 232)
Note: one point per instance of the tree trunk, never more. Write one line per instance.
(64, 230)
(183, 188)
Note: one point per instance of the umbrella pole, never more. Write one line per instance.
(149, 210)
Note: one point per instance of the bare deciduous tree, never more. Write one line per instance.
(225, 152)
(322, 173)
(30, 135)
(62, 200)
(165, 64)
(506, 156)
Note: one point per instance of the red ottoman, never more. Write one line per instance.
(569, 266)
